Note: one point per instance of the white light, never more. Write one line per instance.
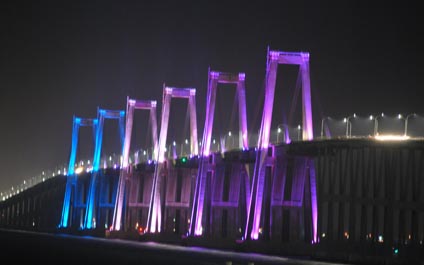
(279, 130)
(79, 170)
(371, 117)
(186, 141)
(399, 116)
(391, 137)
(354, 115)
(299, 127)
(344, 120)
(229, 133)
(174, 143)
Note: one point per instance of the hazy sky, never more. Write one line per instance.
(65, 58)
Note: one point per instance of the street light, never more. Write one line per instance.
(406, 122)
(400, 117)
(299, 128)
(283, 128)
(322, 126)
(349, 131)
(376, 123)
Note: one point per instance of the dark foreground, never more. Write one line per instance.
(21, 247)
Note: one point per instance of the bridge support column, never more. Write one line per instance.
(93, 196)
(132, 105)
(205, 166)
(274, 58)
(155, 210)
(71, 182)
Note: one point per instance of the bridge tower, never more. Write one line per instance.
(274, 58)
(93, 196)
(155, 210)
(205, 165)
(132, 105)
(71, 177)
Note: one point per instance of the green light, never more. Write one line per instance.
(396, 250)
(184, 159)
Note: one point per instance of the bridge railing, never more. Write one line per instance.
(410, 125)
(352, 126)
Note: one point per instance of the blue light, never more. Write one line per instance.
(89, 221)
(71, 170)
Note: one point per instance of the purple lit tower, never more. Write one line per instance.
(132, 105)
(154, 216)
(205, 166)
(274, 58)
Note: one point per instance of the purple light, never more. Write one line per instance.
(214, 75)
(242, 76)
(314, 203)
(274, 59)
(132, 104)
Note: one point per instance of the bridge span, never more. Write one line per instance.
(369, 201)
(345, 198)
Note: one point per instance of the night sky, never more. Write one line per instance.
(62, 59)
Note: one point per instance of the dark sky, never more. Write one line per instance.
(60, 58)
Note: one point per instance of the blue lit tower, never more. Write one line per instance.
(71, 177)
(93, 196)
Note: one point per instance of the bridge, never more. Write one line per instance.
(353, 185)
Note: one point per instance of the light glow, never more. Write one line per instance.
(391, 137)
(79, 170)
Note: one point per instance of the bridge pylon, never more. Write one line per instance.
(274, 58)
(155, 210)
(93, 192)
(70, 189)
(206, 167)
(132, 105)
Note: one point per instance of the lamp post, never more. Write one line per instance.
(322, 126)
(347, 120)
(371, 117)
(406, 122)
(400, 117)
(299, 128)
(283, 128)
(376, 123)
(230, 141)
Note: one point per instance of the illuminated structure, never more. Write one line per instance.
(154, 215)
(205, 168)
(369, 188)
(93, 196)
(274, 58)
(132, 104)
(70, 189)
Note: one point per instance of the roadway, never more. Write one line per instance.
(23, 247)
